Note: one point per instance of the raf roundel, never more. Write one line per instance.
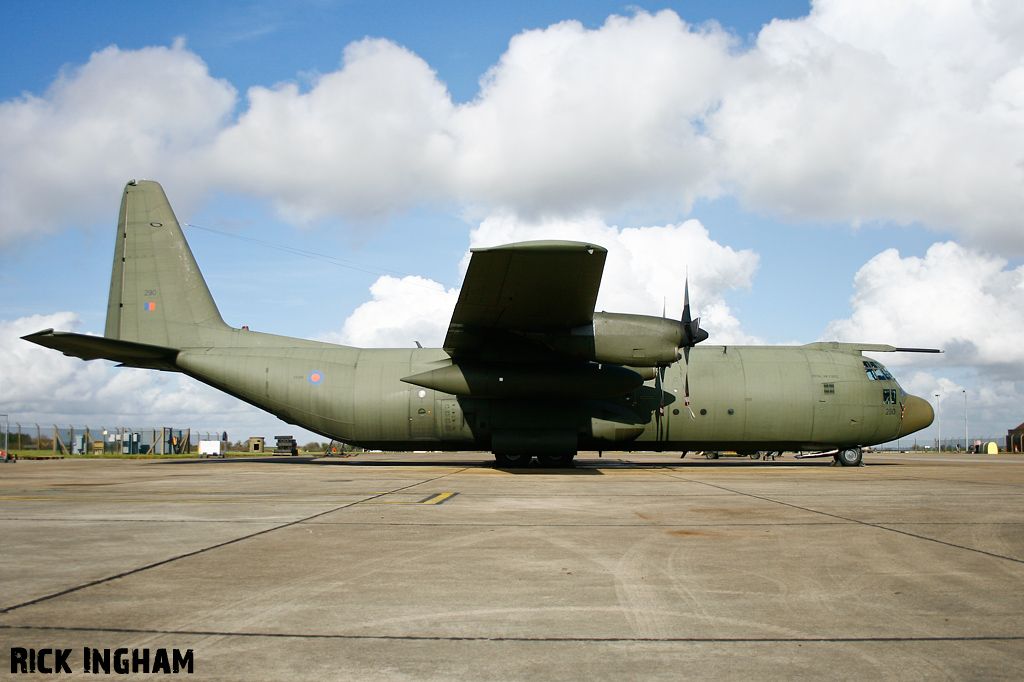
(315, 377)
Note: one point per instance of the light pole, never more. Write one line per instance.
(967, 443)
(938, 422)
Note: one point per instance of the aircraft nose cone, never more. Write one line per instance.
(918, 414)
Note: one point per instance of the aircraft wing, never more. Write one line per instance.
(540, 286)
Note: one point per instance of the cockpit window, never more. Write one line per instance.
(876, 372)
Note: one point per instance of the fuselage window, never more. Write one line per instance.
(876, 372)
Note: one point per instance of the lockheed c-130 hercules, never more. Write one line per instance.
(528, 369)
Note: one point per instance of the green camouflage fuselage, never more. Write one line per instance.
(741, 398)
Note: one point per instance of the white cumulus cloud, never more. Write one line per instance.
(573, 118)
(963, 301)
(990, 407)
(401, 312)
(124, 114)
(366, 140)
(907, 110)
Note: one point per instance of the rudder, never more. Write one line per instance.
(157, 294)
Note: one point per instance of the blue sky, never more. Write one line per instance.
(852, 169)
(261, 43)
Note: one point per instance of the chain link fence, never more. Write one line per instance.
(100, 440)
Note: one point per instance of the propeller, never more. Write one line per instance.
(659, 378)
(690, 334)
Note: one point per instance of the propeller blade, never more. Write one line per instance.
(659, 378)
(690, 332)
(686, 301)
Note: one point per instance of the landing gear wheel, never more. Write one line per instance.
(755, 455)
(555, 461)
(507, 460)
(711, 454)
(850, 457)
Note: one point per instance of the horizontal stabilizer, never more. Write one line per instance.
(128, 353)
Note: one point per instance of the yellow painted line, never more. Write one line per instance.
(438, 498)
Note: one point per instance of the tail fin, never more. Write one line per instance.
(157, 294)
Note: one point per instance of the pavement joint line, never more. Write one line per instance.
(849, 520)
(480, 524)
(126, 520)
(6, 494)
(416, 524)
(512, 638)
(264, 501)
(123, 574)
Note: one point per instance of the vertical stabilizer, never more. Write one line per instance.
(157, 294)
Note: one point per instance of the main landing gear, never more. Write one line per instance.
(848, 457)
(508, 460)
(511, 460)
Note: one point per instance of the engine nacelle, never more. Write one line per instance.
(573, 380)
(613, 338)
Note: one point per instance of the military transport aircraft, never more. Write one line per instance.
(528, 369)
